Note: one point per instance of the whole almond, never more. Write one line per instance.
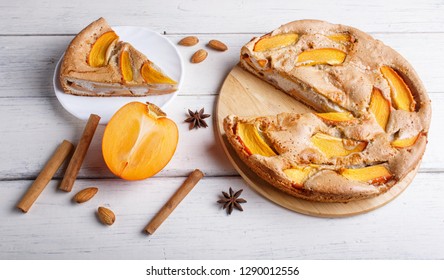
(189, 41)
(85, 194)
(199, 56)
(106, 216)
(217, 45)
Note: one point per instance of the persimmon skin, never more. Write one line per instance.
(139, 141)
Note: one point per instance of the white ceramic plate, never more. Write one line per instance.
(156, 47)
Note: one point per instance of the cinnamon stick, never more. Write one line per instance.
(79, 154)
(45, 176)
(172, 203)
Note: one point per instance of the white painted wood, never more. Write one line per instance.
(34, 34)
(409, 227)
(202, 16)
(29, 61)
(32, 128)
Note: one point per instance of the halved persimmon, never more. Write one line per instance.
(139, 141)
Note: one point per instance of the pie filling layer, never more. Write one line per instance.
(94, 88)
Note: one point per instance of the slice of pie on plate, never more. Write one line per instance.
(96, 63)
(372, 122)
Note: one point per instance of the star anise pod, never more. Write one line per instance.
(196, 119)
(232, 200)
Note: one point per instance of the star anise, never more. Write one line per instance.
(232, 200)
(196, 119)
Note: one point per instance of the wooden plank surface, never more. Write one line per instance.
(33, 36)
(33, 127)
(29, 61)
(200, 16)
(36, 126)
(409, 227)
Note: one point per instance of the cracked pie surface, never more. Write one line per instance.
(372, 122)
(97, 63)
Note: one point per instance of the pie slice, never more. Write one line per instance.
(372, 120)
(96, 63)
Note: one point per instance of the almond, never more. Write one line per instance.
(217, 45)
(106, 216)
(199, 56)
(85, 194)
(189, 41)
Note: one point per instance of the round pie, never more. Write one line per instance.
(372, 120)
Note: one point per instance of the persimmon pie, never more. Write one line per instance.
(372, 119)
(97, 63)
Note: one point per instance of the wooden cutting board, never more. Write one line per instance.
(244, 94)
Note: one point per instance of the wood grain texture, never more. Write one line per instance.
(199, 16)
(32, 128)
(33, 36)
(43, 52)
(410, 227)
(45, 176)
(21, 54)
(240, 88)
(168, 208)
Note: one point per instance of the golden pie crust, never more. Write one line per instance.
(344, 87)
(78, 77)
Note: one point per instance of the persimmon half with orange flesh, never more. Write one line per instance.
(139, 141)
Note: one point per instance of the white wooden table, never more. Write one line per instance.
(34, 34)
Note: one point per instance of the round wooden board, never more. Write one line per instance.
(244, 94)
